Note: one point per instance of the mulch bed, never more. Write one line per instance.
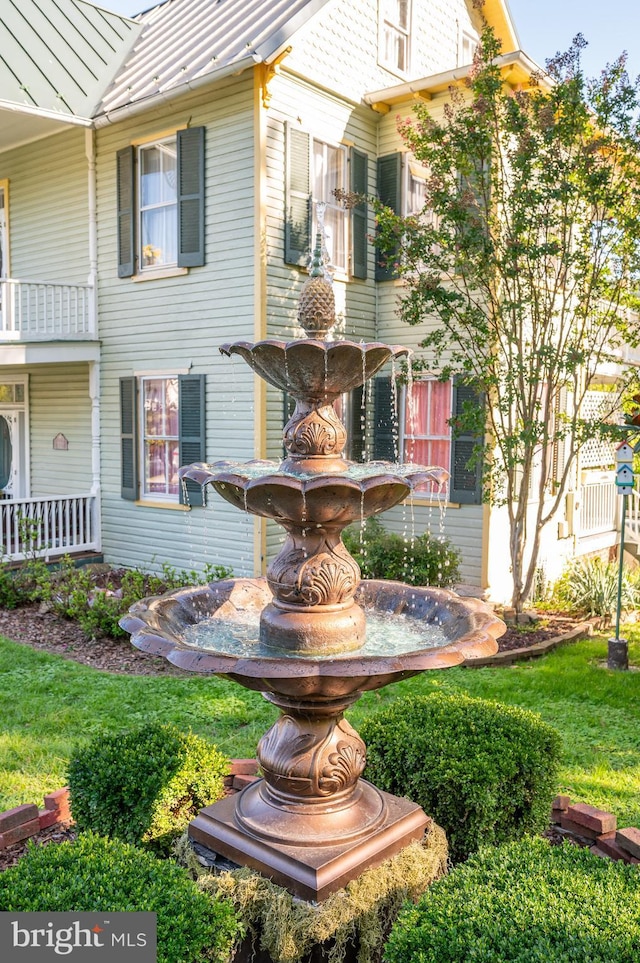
(41, 629)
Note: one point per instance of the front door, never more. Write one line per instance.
(11, 480)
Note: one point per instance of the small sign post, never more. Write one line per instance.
(618, 654)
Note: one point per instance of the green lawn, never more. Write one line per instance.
(48, 704)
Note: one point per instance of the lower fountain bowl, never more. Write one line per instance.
(215, 629)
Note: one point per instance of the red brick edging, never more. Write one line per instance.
(579, 822)
(27, 820)
(596, 829)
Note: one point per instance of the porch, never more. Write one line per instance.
(49, 527)
(600, 508)
(46, 311)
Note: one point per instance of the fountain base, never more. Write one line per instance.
(315, 866)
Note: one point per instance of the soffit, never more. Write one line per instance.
(184, 42)
(517, 69)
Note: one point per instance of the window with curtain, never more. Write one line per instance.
(426, 435)
(329, 173)
(158, 212)
(395, 28)
(160, 435)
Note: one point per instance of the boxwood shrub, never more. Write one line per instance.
(525, 902)
(485, 772)
(97, 874)
(426, 560)
(143, 786)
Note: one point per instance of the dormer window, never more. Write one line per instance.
(395, 33)
(468, 46)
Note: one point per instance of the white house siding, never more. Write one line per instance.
(59, 403)
(48, 208)
(178, 323)
(339, 47)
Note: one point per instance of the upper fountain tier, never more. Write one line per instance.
(315, 372)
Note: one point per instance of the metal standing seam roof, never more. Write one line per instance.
(185, 41)
(58, 56)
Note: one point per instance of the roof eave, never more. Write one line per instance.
(59, 117)
(164, 96)
(516, 66)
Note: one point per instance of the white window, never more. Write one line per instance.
(468, 47)
(425, 430)
(160, 438)
(395, 33)
(328, 174)
(158, 207)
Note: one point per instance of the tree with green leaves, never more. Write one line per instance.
(524, 269)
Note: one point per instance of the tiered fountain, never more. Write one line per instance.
(311, 637)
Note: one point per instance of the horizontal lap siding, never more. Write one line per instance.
(58, 403)
(461, 526)
(48, 208)
(177, 324)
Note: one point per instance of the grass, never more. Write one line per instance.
(49, 704)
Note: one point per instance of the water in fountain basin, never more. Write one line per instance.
(388, 634)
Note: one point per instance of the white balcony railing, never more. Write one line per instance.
(46, 310)
(632, 528)
(48, 527)
(598, 507)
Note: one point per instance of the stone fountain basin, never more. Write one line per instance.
(315, 371)
(161, 626)
(263, 488)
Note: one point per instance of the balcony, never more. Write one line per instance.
(46, 311)
(48, 527)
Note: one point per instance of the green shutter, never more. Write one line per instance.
(125, 167)
(390, 194)
(466, 480)
(356, 426)
(192, 442)
(359, 183)
(128, 439)
(384, 423)
(191, 197)
(297, 221)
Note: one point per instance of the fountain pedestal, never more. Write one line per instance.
(306, 869)
(311, 824)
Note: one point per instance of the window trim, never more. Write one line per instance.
(340, 269)
(385, 25)
(191, 436)
(144, 494)
(190, 200)
(404, 436)
(142, 269)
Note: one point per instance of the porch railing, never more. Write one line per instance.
(48, 527)
(598, 507)
(46, 310)
(632, 526)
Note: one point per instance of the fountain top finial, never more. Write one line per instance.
(317, 306)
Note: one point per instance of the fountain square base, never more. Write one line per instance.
(309, 871)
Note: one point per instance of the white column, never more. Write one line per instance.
(94, 394)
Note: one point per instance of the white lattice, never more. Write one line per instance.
(598, 452)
